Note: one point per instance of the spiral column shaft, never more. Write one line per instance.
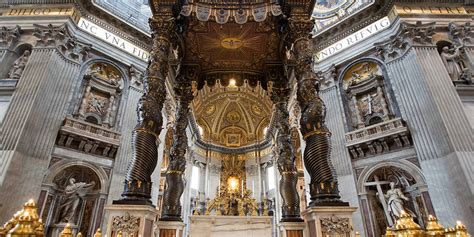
(145, 137)
(317, 155)
(171, 209)
(284, 153)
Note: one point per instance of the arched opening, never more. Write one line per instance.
(73, 196)
(389, 189)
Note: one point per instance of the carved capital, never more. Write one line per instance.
(408, 35)
(9, 36)
(300, 28)
(461, 35)
(59, 37)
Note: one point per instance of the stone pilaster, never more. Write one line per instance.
(429, 102)
(37, 110)
(145, 137)
(280, 93)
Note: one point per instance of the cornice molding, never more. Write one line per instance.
(96, 15)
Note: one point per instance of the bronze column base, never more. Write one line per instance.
(137, 185)
(290, 197)
(171, 208)
(323, 187)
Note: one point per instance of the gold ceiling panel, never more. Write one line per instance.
(232, 116)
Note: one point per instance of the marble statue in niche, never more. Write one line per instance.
(363, 85)
(452, 61)
(394, 198)
(72, 195)
(102, 90)
(391, 190)
(19, 65)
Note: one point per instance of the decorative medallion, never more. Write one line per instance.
(233, 117)
(257, 110)
(232, 43)
(210, 110)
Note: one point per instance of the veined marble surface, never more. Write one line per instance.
(230, 226)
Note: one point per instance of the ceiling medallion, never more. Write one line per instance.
(232, 43)
(210, 109)
(233, 117)
(257, 110)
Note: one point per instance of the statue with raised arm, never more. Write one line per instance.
(452, 62)
(395, 197)
(19, 65)
(73, 193)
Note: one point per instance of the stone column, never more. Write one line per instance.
(323, 186)
(280, 93)
(174, 175)
(137, 189)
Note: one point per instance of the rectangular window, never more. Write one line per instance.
(271, 177)
(4, 103)
(195, 178)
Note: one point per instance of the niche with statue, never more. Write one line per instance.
(101, 95)
(392, 191)
(73, 197)
(365, 94)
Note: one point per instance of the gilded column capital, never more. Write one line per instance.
(300, 28)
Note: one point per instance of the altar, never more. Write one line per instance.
(230, 226)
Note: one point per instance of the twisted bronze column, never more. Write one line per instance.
(171, 209)
(137, 188)
(317, 154)
(285, 155)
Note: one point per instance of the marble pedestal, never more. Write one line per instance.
(292, 229)
(56, 229)
(131, 220)
(329, 221)
(230, 226)
(170, 229)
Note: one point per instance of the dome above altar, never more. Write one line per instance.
(232, 114)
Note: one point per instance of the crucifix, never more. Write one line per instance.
(380, 195)
(369, 100)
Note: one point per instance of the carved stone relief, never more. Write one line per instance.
(335, 225)
(127, 224)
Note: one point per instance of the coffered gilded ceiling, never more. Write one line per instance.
(232, 116)
(233, 47)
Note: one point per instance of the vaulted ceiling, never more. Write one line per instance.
(232, 115)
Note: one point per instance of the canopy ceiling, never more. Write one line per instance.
(325, 13)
